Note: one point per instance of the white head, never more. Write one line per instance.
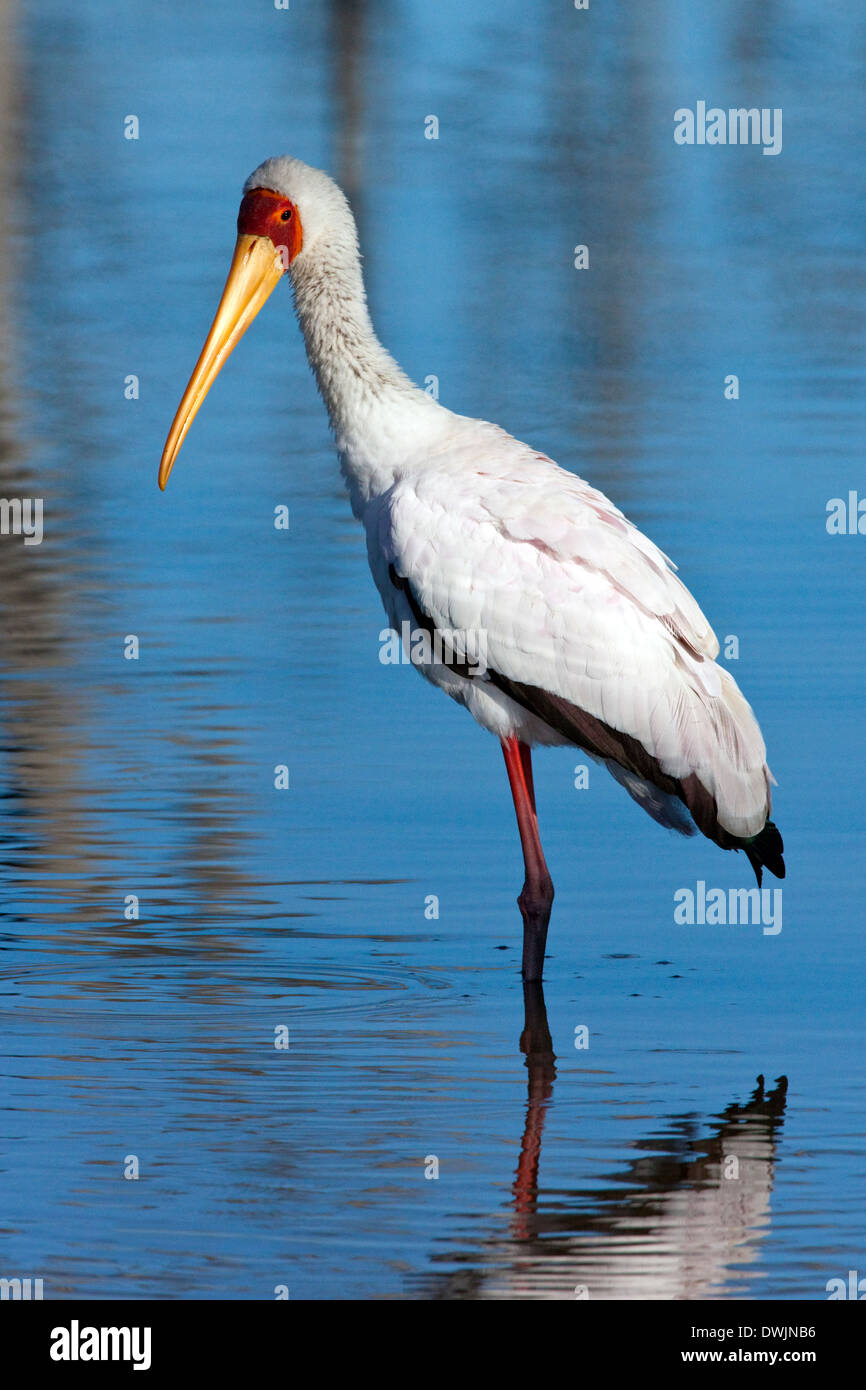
(289, 213)
(320, 208)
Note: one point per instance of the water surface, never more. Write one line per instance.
(561, 1170)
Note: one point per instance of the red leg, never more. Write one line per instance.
(526, 764)
(536, 899)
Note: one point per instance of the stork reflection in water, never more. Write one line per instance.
(683, 1220)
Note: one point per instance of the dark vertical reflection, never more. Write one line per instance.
(40, 767)
(99, 797)
(606, 162)
(348, 20)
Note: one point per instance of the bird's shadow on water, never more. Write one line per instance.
(684, 1220)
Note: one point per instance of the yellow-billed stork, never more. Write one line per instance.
(481, 544)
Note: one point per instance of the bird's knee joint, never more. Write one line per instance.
(537, 898)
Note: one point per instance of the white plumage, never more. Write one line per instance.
(573, 599)
(591, 638)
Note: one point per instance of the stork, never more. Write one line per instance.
(480, 543)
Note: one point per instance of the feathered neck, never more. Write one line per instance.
(353, 370)
(383, 424)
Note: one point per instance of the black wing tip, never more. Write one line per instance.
(765, 851)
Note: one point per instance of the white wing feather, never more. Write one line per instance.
(572, 599)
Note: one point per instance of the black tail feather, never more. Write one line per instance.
(765, 850)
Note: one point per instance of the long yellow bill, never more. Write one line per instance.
(255, 272)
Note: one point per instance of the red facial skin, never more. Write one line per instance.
(265, 213)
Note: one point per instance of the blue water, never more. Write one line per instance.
(153, 1038)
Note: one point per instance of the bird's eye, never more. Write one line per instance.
(286, 216)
